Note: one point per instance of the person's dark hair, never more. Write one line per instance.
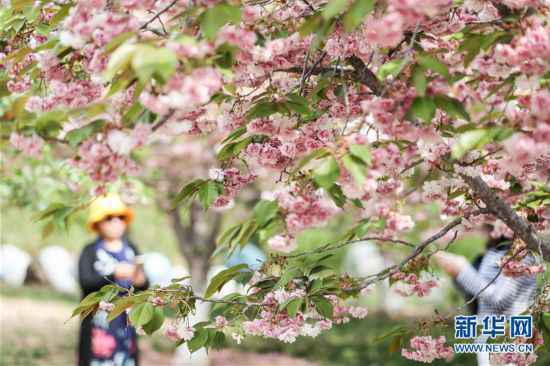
(501, 242)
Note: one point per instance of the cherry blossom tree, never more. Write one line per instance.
(374, 108)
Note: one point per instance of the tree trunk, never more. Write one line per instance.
(198, 269)
(196, 249)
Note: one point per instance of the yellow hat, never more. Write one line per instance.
(106, 205)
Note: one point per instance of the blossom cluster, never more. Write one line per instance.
(176, 331)
(101, 163)
(304, 207)
(411, 284)
(276, 324)
(31, 146)
(233, 180)
(427, 349)
(518, 359)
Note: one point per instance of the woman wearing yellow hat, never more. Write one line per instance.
(111, 258)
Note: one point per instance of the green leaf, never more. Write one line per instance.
(470, 140)
(419, 80)
(322, 32)
(49, 123)
(118, 40)
(199, 340)
(324, 307)
(451, 106)
(502, 133)
(43, 29)
(51, 210)
(335, 192)
(61, 14)
(432, 63)
(362, 228)
(90, 301)
(149, 61)
(298, 103)
(395, 344)
(247, 230)
(286, 276)
(475, 139)
(361, 152)
(217, 282)
(156, 321)
(228, 236)
(292, 306)
(235, 134)
(217, 16)
(546, 338)
(187, 192)
(273, 228)
(141, 314)
(225, 55)
(120, 59)
(392, 68)
(316, 154)
(310, 24)
(397, 330)
(262, 109)
(208, 193)
(333, 8)
(133, 113)
(327, 174)
(76, 136)
(424, 108)
(472, 46)
(233, 149)
(355, 167)
(120, 306)
(218, 340)
(264, 211)
(546, 320)
(354, 16)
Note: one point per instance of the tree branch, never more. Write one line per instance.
(163, 120)
(365, 75)
(369, 280)
(359, 72)
(157, 15)
(504, 212)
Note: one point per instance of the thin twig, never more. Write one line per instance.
(332, 246)
(159, 124)
(157, 15)
(418, 250)
(476, 296)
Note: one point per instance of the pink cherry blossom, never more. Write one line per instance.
(282, 243)
(175, 332)
(157, 301)
(411, 284)
(387, 31)
(106, 306)
(427, 349)
(220, 321)
(31, 146)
